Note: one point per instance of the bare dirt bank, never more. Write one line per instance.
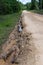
(28, 43)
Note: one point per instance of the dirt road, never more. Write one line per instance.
(34, 25)
(31, 41)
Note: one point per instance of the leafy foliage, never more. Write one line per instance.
(35, 4)
(32, 4)
(9, 6)
(28, 6)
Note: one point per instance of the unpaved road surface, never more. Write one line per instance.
(31, 40)
(34, 25)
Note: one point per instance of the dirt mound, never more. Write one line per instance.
(15, 46)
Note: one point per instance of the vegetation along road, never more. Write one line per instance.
(33, 50)
(7, 24)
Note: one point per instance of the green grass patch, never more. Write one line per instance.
(38, 11)
(7, 24)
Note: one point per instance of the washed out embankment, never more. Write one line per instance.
(16, 48)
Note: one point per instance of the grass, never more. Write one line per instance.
(7, 24)
(38, 11)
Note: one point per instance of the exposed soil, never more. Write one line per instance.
(26, 47)
(17, 40)
(34, 25)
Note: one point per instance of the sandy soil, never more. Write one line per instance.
(34, 25)
(32, 49)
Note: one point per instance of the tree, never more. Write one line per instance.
(36, 5)
(33, 4)
(9, 6)
(40, 4)
(28, 5)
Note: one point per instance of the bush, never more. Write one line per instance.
(9, 6)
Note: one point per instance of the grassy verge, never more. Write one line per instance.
(7, 24)
(38, 11)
